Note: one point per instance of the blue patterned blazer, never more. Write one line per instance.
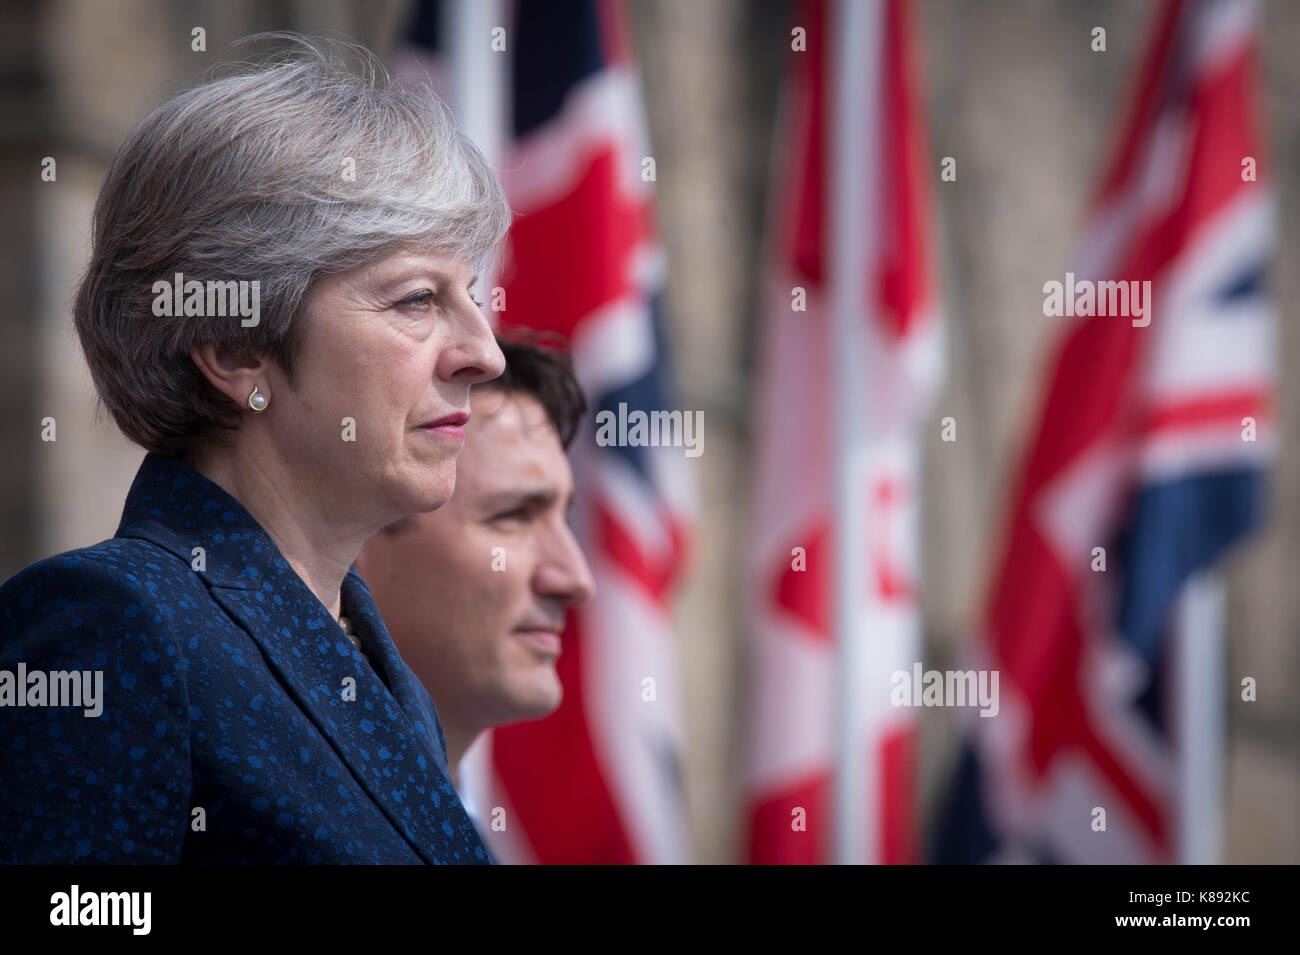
(225, 690)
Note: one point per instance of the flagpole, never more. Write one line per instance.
(854, 82)
(1199, 658)
(477, 72)
(477, 96)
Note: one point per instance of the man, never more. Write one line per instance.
(474, 594)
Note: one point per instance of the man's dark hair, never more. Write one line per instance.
(537, 365)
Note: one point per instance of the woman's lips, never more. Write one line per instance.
(451, 426)
(446, 429)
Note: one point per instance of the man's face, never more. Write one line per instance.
(474, 593)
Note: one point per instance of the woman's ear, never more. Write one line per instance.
(233, 372)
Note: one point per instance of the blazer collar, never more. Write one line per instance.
(180, 510)
(388, 735)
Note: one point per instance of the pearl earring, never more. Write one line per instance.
(257, 402)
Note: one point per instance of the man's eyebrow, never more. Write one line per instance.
(541, 496)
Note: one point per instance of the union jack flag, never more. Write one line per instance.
(599, 780)
(1151, 443)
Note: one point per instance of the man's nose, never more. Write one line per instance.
(563, 573)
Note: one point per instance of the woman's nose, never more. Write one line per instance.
(475, 356)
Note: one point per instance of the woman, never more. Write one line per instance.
(278, 308)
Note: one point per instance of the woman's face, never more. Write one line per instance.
(386, 361)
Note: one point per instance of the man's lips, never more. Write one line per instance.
(452, 425)
(545, 640)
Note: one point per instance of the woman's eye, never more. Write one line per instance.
(420, 299)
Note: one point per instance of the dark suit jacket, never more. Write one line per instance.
(225, 689)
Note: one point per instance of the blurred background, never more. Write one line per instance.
(1013, 90)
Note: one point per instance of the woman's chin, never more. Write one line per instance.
(427, 489)
(421, 501)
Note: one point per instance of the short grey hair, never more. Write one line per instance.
(243, 178)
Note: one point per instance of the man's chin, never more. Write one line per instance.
(536, 702)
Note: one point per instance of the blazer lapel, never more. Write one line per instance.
(406, 689)
(389, 740)
(390, 753)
